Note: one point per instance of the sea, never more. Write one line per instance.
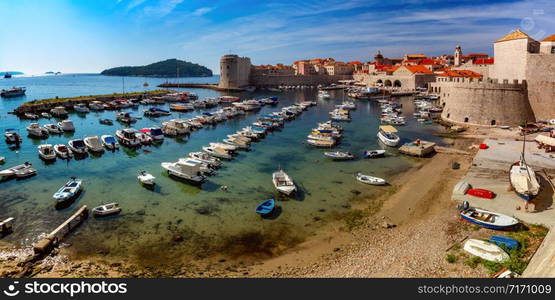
(178, 221)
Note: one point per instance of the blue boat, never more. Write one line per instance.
(486, 219)
(505, 241)
(266, 207)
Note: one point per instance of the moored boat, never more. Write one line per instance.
(12, 137)
(93, 144)
(109, 142)
(339, 155)
(77, 146)
(20, 171)
(127, 137)
(53, 128)
(283, 183)
(370, 179)
(105, 210)
(387, 135)
(62, 151)
(185, 169)
(373, 153)
(46, 152)
(265, 208)
(146, 178)
(67, 125)
(35, 130)
(68, 192)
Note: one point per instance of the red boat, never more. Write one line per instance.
(481, 193)
(484, 146)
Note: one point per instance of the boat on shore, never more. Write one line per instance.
(486, 219)
(46, 152)
(105, 210)
(370, 179)
(485, 250)
(283, 183)
(524, 180)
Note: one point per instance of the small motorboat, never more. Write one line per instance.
(128, 138)
(59, 112)
(67, 125)
(81, 108)
(12, 137)
(20, 171)
(144, 138)
(106, 122)
(35, 130)
(265, 208)
(339, 155)
(217, 152)
(109, 142)
(481, 193)
(93, 144)
(46, 152)
(206, 158)
(485, 250)
(77, 146)
(53, 128)
(62, 151)
(106, 210)
(31, 116)
(68, 191)
(188, 170)
(486, 219)
(504, 241)
(155, 133)
(283, 183)
(387, 135)
(370, 179)
(46, 115)
(373, 153)
(146, 178)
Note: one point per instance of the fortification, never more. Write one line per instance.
(234, 71)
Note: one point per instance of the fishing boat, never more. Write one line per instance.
(81, 108)
(265, 208)
(105, 210)
(486, 219)
(62, 151)
(387, 135)
(93, 144)
(523, 179)
(53, 128)
(370, 179)
(13, 92)
(67, 193)
(77, 146)
(46, 152)
(206, 158)
(146, 178)
(67, 125)
(12, 137)
(485, 250)
(188, 170)
(128, 137)
(59, 112)
(106, 122)
(35, 130)
(217, 152)
(109, 142)
(373, 153)
(283, 183)
(19, 171)
(339, 155)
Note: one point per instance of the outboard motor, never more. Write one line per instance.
(464, 206)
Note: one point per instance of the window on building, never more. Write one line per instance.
(466, 119)
(552, 50)
(493, 122)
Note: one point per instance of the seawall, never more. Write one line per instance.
(277, 80)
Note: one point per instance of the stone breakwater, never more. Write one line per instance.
(44, 105)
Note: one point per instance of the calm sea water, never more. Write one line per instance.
(178, 220)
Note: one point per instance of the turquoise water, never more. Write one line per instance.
(179, 220)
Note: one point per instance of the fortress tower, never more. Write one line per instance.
(458, 56)
(234, 71)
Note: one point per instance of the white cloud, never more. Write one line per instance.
(202, 11)
(163, 7)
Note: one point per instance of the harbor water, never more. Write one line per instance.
(177, 220)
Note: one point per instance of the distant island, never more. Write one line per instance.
(166, 68)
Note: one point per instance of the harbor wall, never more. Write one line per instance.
(486, 103)
(405, 83)
(540, 76)
(277, 80)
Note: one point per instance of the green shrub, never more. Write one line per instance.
(451, 258)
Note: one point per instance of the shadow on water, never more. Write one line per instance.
(69, 204)
(80, 156)
(274, 214)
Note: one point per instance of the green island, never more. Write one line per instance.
(167, 68)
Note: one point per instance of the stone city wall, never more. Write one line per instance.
(540, 76)
(277, 80)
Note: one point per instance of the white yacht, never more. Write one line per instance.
(387, 135)
(185, 169)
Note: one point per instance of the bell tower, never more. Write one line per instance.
(458, 56)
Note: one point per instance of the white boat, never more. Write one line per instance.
(53, 128)
(185, 169)
(20, 171)
(93, 144)
(206, 158)
(109, 142)
(373, 153)
(46, 152)
(59, 112)
(240, 144)
(106, 210)
(77, 146)
(283, 183)
(370, 179)
(485, 250)
(31, 116)
(68, 191)
(62, 151)
(46, 115)
(96, 106)
(146, 178)
(217, 152)
(179, 126)
(35, 130)
(81, 108)
(387, 135)
(144, 138)
(486, 219)
(524, 180)
(128, 137)
(12, 137)
(156, 134)
(125, 117)
(339, 155)
(66, 125)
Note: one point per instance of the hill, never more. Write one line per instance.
(166, 68)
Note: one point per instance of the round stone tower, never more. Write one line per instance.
(234, 71)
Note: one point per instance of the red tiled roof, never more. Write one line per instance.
(418, 69)
(459, 73)
(550, 38)
(390, 69)
(483, 61)
(429, 61)
(356, 62)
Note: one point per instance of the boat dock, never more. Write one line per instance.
(6, 226)
(418, 148)
(51, 240)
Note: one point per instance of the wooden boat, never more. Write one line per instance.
(46, 152)
(481, 193)
(485, 250)
(504, 241)
(106, 210)
(109, 142)
(486, 219)
(283, 183)
(146, 178)
(373, 153)
(62, 151)
(266, 207)
(370, 179)
(339, 155)
(68, 192)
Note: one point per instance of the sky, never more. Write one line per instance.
(72, 36)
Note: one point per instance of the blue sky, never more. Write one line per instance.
(88, 36)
